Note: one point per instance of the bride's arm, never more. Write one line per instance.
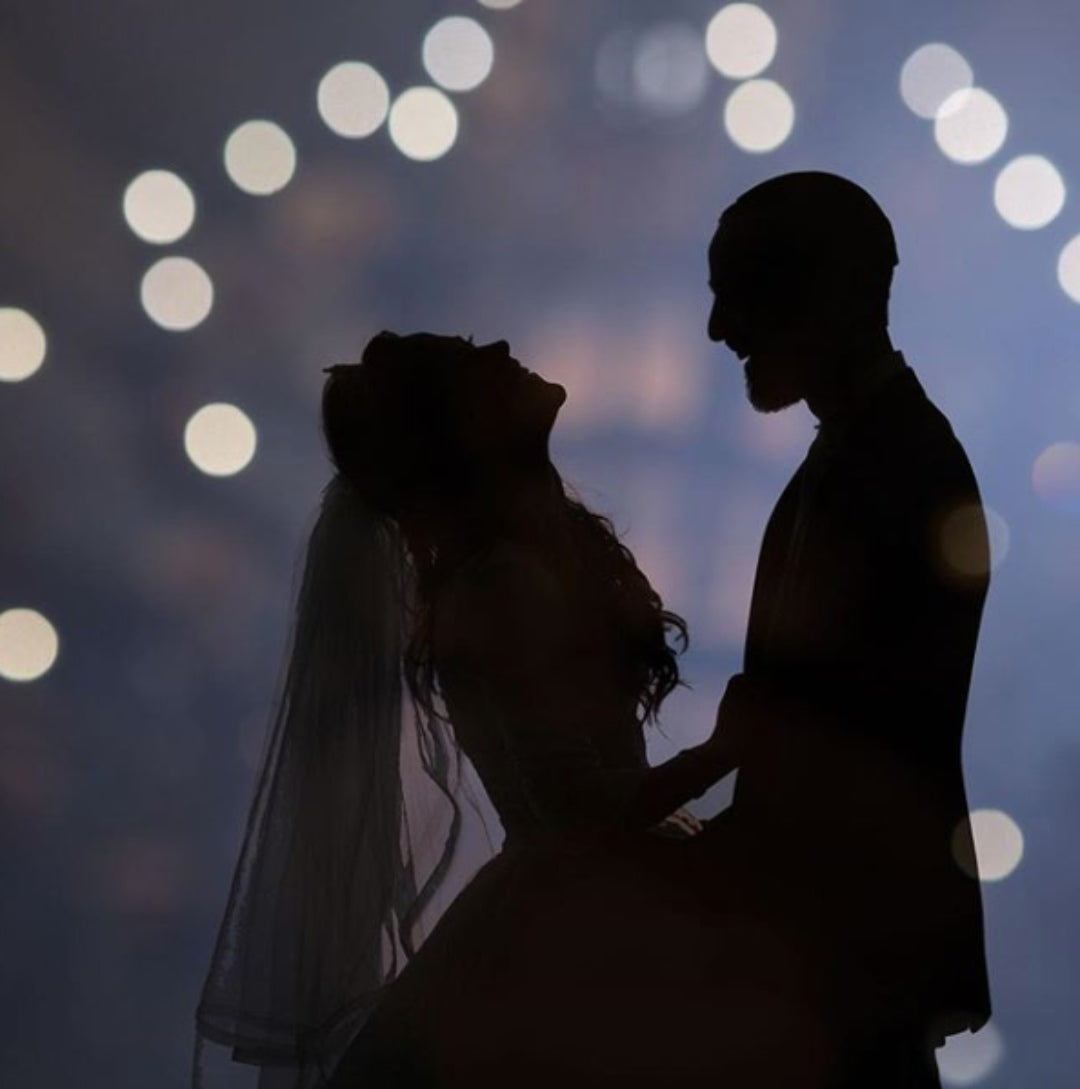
(506, 629)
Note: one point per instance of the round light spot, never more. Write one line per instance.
(1029, 192)
(1068, 268)
(930, 75)
(220, 439)
(28, 645)
(615, 66)
(999, 844)
(1056, 476)
(670, 70)
(972, 540)
(177, 293)
(159, 207)
(971, 126)
(500, 5)
(423, 123)
(260, 157)
(963, 542)
(774, 437)
(740, 41)
(1000, 537)
(759, 115)
(458, 53)
(353, 99)
(967, 1058)
(22, 344)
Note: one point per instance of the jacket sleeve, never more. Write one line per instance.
(507, 631)
(932, 548)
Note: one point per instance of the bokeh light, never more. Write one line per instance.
(670, 70)
(1056, 476)
(932, 74)
(458, 53)
(615, 66)
(220, 439)
(1029, 192)
(140, 873)
(423, 123)
(1068, 268)
(963, 549)
(999, 844)
(776, 438)
(968, 1058)
(740, 41)
(759, 115)
(177, 293)
(28, 645)
(22, 344)
(500, 5)
(663, 385)
(159, 207)
(353, 99)
(971, 126)
(997, 529)
(260, 157)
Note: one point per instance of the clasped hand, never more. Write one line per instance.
(732, 710)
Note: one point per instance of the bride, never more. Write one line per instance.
(453, 585)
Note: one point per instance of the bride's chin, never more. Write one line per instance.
(556, 393)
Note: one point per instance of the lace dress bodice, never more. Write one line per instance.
(543, 707)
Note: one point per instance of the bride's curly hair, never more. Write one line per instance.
(388, 431)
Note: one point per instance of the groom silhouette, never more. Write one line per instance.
(874, 566)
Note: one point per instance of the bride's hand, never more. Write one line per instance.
(684, 819)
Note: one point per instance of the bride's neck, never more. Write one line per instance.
(524, 510)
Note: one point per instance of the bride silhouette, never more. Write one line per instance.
(455, 591)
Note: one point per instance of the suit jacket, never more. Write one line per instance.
(867, 601)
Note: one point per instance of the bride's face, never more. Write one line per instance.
(498, 408)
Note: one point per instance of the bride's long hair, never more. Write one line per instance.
(340, 858)
(387, 429)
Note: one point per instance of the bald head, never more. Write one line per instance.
(801, 269)
(785, 232)
(817, 212)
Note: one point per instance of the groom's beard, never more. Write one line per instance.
(771, 384)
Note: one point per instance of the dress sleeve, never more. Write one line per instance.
(507, 631)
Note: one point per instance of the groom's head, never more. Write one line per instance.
(800, 269)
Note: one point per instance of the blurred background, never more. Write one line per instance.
(202, 205)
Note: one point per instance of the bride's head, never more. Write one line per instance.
(434, 429)
(450, 439)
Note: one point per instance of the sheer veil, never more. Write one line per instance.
(344, 846)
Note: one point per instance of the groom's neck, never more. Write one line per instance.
(850, 373)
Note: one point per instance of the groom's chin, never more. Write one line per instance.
(766, 398)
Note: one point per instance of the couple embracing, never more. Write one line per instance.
(823, 932)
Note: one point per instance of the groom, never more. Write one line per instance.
(848, 715)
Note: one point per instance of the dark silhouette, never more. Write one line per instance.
(847, 719)
(587, 951)
(821, 933)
